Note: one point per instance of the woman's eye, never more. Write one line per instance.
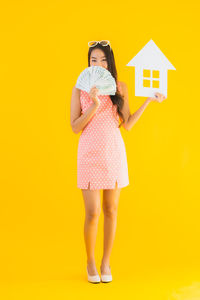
(95, 60)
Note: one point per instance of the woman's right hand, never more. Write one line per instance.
(93, 95)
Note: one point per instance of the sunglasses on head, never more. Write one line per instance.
(103, 43)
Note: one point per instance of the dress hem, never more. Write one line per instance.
(102, 188)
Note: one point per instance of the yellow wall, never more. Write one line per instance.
(43, 50)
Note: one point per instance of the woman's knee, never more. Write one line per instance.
(110, 211)
(93, 214)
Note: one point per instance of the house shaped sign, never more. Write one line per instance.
(151, 67)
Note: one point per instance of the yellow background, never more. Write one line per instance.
(156, 249)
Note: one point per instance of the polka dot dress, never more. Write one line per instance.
(101, 159)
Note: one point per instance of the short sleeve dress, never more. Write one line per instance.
(101, 155)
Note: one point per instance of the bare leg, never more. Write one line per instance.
(110, 206)
(92, 212)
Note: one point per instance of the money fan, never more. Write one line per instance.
(99, 77)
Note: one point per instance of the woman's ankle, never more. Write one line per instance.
(105, 263)
(91, 262)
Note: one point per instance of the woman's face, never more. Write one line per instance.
(98, 58)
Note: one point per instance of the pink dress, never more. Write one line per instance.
(101, 159)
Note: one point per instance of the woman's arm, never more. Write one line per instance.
(131, 119)
(78, 121)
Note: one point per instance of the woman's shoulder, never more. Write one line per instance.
(121, 85)
(76, 90)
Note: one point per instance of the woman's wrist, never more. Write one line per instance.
(96, 101)
(148, 100)
(96, 105)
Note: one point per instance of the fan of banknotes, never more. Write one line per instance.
(99, 77)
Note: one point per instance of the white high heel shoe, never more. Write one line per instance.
(93, 278)
(106, 277)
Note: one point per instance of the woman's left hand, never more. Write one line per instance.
(158, 97)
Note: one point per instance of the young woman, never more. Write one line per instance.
(102, 161)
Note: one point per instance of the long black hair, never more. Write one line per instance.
(116, 99)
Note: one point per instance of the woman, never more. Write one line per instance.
(102, 162)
